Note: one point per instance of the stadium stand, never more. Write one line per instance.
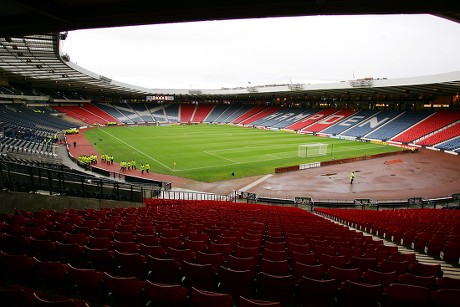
(24, 117)
(291, 116)
(402, 122)
(157, 112)
(348, 123)
(404, 226)
(367, 125)
(252, 120)
(236, 112)
(271, 119)
(201, 113)
(95, 110)
(441, 135)
(430, 124)
(137, 275)
(450, 145)
(216, 112)
(82, 114)
(329, 121)
(245, 117)
(152, 255)
(129, 114)
(112, 111)
(142, 112)
(172, 113)
(186, 112)
(311, 119)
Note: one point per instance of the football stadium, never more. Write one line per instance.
(294, 194)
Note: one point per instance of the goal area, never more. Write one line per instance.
(312, 150)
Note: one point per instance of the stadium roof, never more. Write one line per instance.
(36, 60)
(20, 17)
(27, 56)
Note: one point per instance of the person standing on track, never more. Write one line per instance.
(352, 177)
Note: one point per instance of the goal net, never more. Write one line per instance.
(312, 150)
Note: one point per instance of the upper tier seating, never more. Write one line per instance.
(349, 122)
(367, 125)
(112, 111)
(216, 112)
(248, 114)
(397, 125)
(186, 112)
(452, 145)
(321, 114)
(82, 114)
(328, 121)
(130, 116)
(259, 117)
(279, 118)
(428, 125)
(234, 112)
(441, 136)
(172, 112)
(201, 113)
(142, 111)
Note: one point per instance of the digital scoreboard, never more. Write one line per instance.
(160, 98)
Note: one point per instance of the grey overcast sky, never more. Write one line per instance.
(315, 49)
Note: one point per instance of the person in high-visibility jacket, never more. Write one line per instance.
(147, 167)
(352, 177)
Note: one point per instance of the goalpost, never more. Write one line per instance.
(312, 150)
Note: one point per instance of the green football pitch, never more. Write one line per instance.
(213, 152)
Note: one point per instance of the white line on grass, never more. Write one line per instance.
(140, 151)
(209, 153)
(207, 134)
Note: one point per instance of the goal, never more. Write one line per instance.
(312, 150)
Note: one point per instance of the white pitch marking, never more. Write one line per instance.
(140, 151)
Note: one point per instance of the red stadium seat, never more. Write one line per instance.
(202, 298)
(316, 292)
(200, 276)
(125, 291)
(163, 295)
(356, 294)
(275, 288)
(246, 302)
(401, 295)
(236, 283)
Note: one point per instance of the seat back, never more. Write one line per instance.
(276, 288)
(236, 283)
(200, 276)
(163, 295)
(202, 298)
(355, 294)
(246, 302)
(407, 295)
(316, 292)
